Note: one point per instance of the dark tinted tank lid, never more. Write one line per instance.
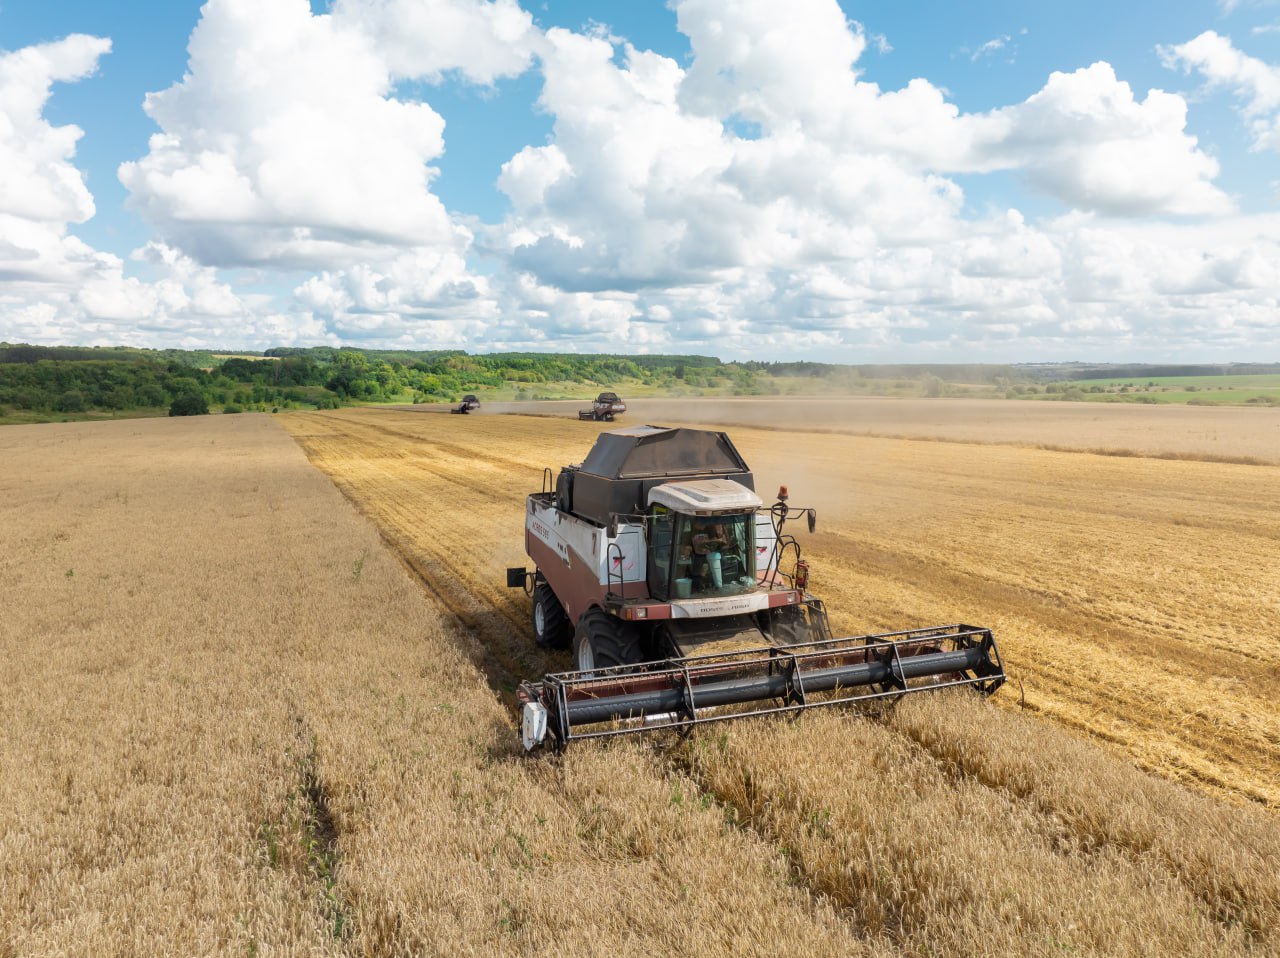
(641, 452)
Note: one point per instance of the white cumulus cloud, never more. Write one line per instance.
(54, 287)
(483, 40)
(1253, 81)
(650, 179)
(41, 189)
(283, 145)
(1088, 140)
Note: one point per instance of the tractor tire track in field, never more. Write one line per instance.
(400, 478)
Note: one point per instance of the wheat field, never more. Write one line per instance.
(1021, 540)
(1133, 598)
(245, 712)
(1209, 433)
(234, 725)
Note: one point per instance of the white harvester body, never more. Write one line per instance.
(652, 555)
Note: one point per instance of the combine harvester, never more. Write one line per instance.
(654, 555)
(604, 408)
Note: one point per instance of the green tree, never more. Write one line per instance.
(189, 404)
(71, 401)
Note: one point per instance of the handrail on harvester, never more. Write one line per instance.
(680, 693)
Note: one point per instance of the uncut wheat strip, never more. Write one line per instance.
(945, 865)
(485, 442)
(395, 446)
(1225, 854)
(451, 844)
(521, 442)
(472, 540)
(444, 558)
(121, 699)
(430, 515)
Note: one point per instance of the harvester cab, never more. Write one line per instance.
(685, 600)
(469, 404)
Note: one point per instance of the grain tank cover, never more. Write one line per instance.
(625, 464)
(644, 452)
(705, 496)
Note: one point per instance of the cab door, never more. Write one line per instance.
(661, 547)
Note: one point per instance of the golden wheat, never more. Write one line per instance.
(234, 725)
(236, 722)
(887, 821)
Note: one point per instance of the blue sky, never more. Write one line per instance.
(858, 182)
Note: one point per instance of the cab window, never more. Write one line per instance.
(715, 555)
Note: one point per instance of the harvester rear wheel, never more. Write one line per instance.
(602, 640)
(550, 624)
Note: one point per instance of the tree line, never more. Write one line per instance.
(84, 380)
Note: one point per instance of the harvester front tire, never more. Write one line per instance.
(550, 624)
(790, 627)
(602, 640)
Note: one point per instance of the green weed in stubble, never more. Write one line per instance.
(269, 835)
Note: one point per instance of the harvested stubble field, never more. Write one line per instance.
(235, 724)
(1215, 434)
